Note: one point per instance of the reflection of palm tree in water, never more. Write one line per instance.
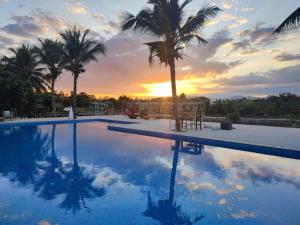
(50, 184)
(23, 161)
(77, 185)
(166, 211)
(20, 158)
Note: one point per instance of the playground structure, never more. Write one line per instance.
(190, 114)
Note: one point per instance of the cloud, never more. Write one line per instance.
(233, 21)
(39, 22)
(247, 9)
(227, 17)
(251, 40)
(272, 82)
(110, 26)
(24, 26)
(285, 76)
(242, 214)
(244, 45)
(77, 8)
(98, 16)
(239, 22)
(264, 174)
(5, 41)
(227, 5)
(287, 57)
(260, 34)
(200, 60)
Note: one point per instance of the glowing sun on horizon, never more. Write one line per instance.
(163, 89)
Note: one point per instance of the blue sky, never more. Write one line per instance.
(241, 57)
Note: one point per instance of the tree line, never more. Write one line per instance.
(30, 71)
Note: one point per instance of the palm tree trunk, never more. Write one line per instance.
(75, 161)
(53, 140)
(173, 172)
(53, 98)
(75, 96)
(174, 94)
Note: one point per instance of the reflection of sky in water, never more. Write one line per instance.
(102, 177)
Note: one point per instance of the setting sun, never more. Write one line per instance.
(188, 86)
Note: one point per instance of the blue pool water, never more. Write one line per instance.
(71, 174)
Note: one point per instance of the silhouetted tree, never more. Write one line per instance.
(164, 20)
(25, 66)
(51, 55)
(79, 50)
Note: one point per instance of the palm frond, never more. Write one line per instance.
(163, 20)
(185, 3)
(163, 51)
(195, 23)
(128, 21)
(186, 39)
(291, 22)
(158, 49)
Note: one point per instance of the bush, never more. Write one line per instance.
(233, 116)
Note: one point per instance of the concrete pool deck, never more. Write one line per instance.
(243, 136)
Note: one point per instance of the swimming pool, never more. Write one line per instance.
(85, 174)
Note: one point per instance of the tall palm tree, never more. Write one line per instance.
(51, 55)
(164, 21)
(291, 22)
(25, 65)
(79, 50)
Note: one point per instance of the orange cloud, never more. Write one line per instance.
(78, 8)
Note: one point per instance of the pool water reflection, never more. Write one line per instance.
(84, 174)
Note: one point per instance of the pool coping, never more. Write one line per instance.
(262, 149)
(256, 148)
(62, 121)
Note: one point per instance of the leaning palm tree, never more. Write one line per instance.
(51, 55)
(79, 50)
(25, 66)
(164, 20)
(291, 22)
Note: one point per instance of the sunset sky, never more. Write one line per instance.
(241, 58)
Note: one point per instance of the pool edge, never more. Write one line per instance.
(267, 150)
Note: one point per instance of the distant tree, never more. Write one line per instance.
(182, 96)
(164, 20)
(79, 50)
(291, 22)
(84, 99)
(50, 54)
